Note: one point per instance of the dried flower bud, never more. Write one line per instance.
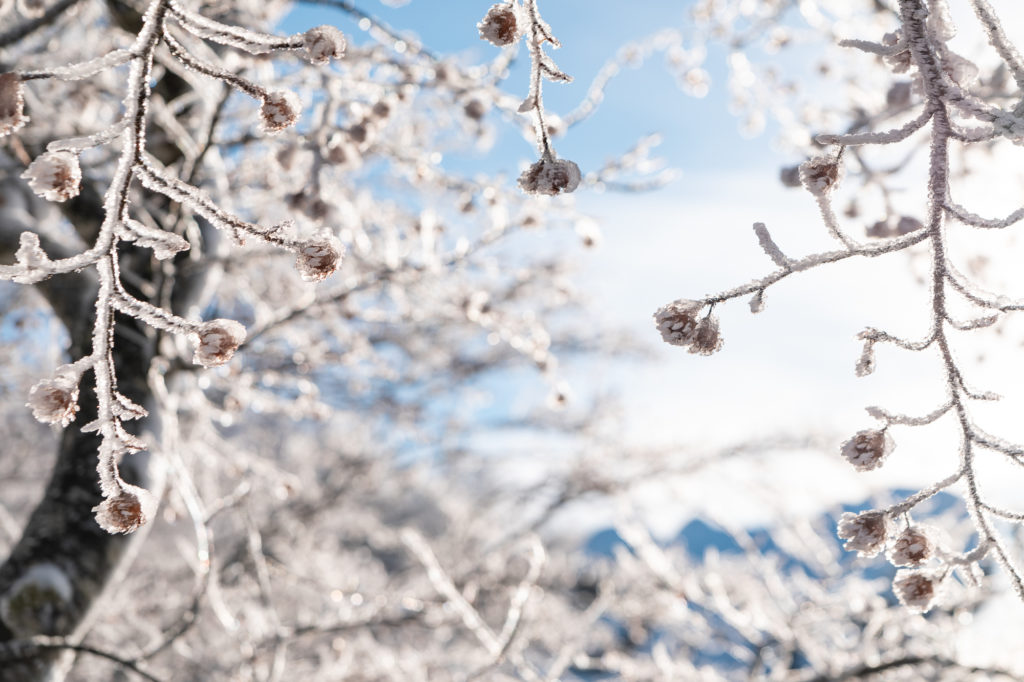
(916, 590)
(55, 401)
(706, 339)
(323, 43)
(899, 94)
(913, 547)
(502, 25)
(475, 109)
(677, 321)
(820, 174)
(362, 133)
(901, 61)
(12, 103)
(55, 176)
(280, 110)
(216, 341)
(880, 229)
(319, 259)
(865, 533)
(341, 152)
(477, 305)
(126, 511)
(550, 176)
(380, 109)
(867, 450)
(789, 176)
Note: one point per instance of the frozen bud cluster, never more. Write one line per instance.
(280, 110)
(323, 43)
(865, 533)
(550, 176)
(502, 25)
(913, 547)
(677, 321)
(319, 259)
(901, 61)
(12, 103)
(216, 341)
(54, 176)
(867, 450)
(916, 590)
(706, 339)
(126, 511)
(679, 326)
(55, 401)
(820, 174)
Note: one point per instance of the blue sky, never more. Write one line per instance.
(699, 135)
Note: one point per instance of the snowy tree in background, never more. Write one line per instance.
(268, 314)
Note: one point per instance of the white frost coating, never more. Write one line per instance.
(197, 200)
(74, 72)
(252, 42)
(77, 144)
(764, 238)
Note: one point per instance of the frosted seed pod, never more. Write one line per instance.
(54, 176)
(864, 533)
(550, 176)
(216, 341)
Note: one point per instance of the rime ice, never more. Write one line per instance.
(12, 103)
